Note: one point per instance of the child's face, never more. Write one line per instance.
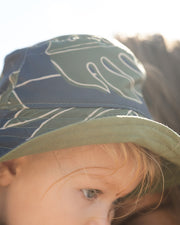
(53, 188)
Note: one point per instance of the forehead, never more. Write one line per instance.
(109, 155)
(93, 166)
(102, 163)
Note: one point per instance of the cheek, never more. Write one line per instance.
(61, 207)
(29, 202)
(24, 197)
(64, 204)
(23, 202)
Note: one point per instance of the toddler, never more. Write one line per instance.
(77, 143)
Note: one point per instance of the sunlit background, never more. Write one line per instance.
(24, 23)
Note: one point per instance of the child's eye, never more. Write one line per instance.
(91, 194)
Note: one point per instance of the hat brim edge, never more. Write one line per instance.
(149, 134)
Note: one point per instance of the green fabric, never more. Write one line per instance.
(78, 90)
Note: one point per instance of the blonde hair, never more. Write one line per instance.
(148, 170)
(148, 164)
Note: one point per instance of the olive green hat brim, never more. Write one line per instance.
(149, 134)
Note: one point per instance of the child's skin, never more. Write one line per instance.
(43, 190)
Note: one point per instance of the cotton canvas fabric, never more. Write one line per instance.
(77, 90)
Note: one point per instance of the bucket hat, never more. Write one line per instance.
(77, 90)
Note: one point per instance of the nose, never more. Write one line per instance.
(100, 216)
(98, 221)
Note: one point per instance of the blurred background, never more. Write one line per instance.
(25, 23)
